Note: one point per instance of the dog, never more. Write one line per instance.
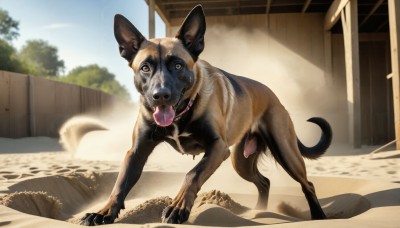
(196, 108)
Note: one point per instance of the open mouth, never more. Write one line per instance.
(164, 115)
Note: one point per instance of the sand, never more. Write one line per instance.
(41, 185)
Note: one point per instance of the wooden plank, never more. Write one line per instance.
(67, 103)
(394, 27)
(375, 103)
(90, 101)
(350, 33)
(333, 14)
(4, 104)
(152, 21)
(376, 6)
(383, 24)
(317, 41)
(43, 103)
(339, 82)
(161, 11)
(269, 2)
(19, 98)
(305, 6)
(31, 106)
(174, 2)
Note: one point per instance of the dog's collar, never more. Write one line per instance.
(177, 117)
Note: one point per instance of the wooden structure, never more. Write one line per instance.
(394, 21)
(35, 106)
(355, 43)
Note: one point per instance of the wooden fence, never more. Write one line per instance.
(35, 106)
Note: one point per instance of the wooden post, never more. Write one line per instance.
(394, 26)
(152, 23)
(349, 18)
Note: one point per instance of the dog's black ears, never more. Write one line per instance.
(127, 36)
(192, 31)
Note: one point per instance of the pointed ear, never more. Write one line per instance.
(192, 31)
(127, 36)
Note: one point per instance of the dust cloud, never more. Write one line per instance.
(302, 87)
(106, 136)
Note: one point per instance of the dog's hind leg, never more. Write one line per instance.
(282, 141)
(247, 169)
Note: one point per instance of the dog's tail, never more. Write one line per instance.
(324, 141)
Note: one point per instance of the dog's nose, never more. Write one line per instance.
(162, 94)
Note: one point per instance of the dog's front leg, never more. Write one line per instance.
(178, 211)
(129, 174)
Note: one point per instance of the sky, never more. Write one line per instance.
(82, 30)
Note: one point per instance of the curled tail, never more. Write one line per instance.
(324, 141)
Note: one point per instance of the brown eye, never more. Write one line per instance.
(145, 68)
(178, 66)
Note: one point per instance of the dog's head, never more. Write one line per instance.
(164, 68)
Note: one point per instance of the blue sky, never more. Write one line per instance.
(82, 30)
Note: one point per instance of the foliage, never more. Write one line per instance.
(8, 58)
(41, 58)
(8, 26)
(96, 77)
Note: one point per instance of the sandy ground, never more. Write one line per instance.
(55, 188)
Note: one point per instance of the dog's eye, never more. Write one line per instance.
(145, 68)
(178, 66)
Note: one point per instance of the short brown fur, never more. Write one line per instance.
(227, 111)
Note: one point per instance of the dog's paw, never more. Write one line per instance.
(175, 215)
(95, 219)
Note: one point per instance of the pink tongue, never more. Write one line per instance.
(164, 116)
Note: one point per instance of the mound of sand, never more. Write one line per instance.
(69, 197)
(147, 212)
(221, 199)
(33, 203)
(354, 191)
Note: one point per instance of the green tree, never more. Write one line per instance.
(8, 27)
(41, 58)
(8, 54)
(8, 58)
(96, 77)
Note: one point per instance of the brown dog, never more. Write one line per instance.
(198, 108)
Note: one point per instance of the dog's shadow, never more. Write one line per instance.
(346, 205)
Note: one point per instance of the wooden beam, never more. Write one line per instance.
(333, 14)
(269, 2)
(382, 25)
(163, 15)
(376, 6)
(394, 27)
(213, 8)
(305, 6)
(152, 21)
(350, 33)
(164, 2)
(160, 10)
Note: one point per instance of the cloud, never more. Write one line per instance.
(58, 26)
